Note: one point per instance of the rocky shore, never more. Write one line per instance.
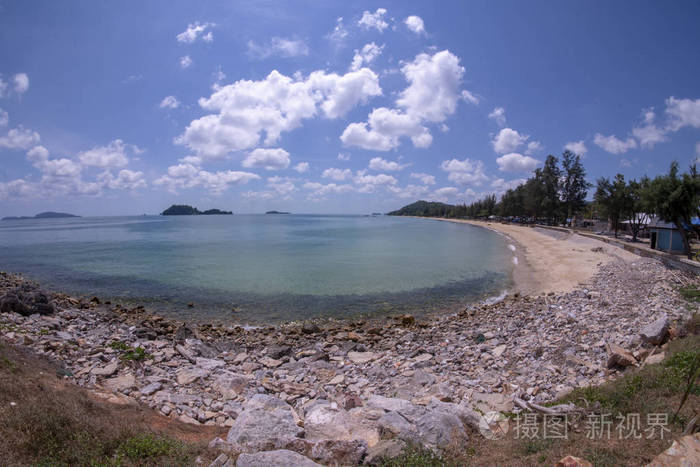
(348, 392)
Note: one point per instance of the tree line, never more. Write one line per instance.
(556, 194)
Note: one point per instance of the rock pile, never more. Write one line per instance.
(341, 392)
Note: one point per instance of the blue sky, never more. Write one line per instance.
(333, 107)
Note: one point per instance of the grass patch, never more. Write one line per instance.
(128, 353)
(691, 294)
(415, 456)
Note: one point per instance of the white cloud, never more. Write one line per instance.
(368, 183)
(17, 189)
(169, 102)
(614, 145)
(195, 30)
(268, 159)
(366, 56)
(577, 147)
(338, 175)
(3, 87)
(469, 97)
(112, 155)
(379, 164)
(278, 103)
(125, 180)
(502, 185)
(4, 118)
(21, 83)
(19, 138)
(278, 46)
(373, 20)
(444, 194)
(464, 172)
(415, 24)
(185, 62)
(515, 162)
(426, 179)
(409, 191)
(508, 140)
(683, 112)
(343, 157)
(499, 115)
(431, 96)
(649, 134)
(339, 31)
(37, 154)
(533, 147)
(302, 167)
(188, 176)
(319, 190)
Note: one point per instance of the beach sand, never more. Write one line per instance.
(550, 260)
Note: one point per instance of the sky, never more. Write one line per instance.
(123, 108)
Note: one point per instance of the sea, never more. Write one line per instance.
(262, 269)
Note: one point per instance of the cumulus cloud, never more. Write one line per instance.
(21, 83)
(373, 20)
(366, 55)
(125, 180)
(3, 87)
(185, 62)
(431, 96)
(533, 147)
(614, 145)
(4, 118)
(501, 185)
(169, 102)
(343, 157)
(426, 179)
(444, 194)
(498, 114)
(37, 154)
(246, 109)
(515, 162)
(196, 30)
(409, 191)
(508, 140)
(113, 155)
(369, 183)
(338, 175)
(465, 172)
(278, 46)
(302, 167)
(415, 24)
(683, 112)
(268, 159)
(577, 147)
(19, 138)
(379, 164)
(188, 176)
(648, 134)
(320, 191)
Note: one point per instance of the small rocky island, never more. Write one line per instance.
(185, 210)
(276, 212)
(41, 215)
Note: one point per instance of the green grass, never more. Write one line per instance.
(415, 456)
(691, 294)
(128, 353)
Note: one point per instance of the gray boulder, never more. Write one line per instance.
(656, 333)
(265, 423)
(278, 458)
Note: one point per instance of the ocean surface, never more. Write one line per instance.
(262, 268)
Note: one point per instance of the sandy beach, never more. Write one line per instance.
(552, 261)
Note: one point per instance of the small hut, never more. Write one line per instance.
(665, 236)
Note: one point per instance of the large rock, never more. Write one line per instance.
(385, 449)
(330, 451)
(10, 303)
(656, 333)
(326, 421)
(571, 461)
(441, 428)
(120, 383)
(265, 423)
(107, 370)
(619, 357)
(190, 375)
(684, 452)
(389, 403)
(278, 458)
(230, 385)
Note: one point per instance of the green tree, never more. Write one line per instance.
(675, 199)
(550, 177)
(613, 197)
(638, 209)
(574, 187)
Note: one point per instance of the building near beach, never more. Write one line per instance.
(665, 236)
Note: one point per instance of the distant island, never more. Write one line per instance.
(185, 210)
(41, 215)
(424, 208)
(276, 212)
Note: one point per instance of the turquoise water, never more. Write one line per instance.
(262, 268)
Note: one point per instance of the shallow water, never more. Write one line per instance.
(267, 268)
